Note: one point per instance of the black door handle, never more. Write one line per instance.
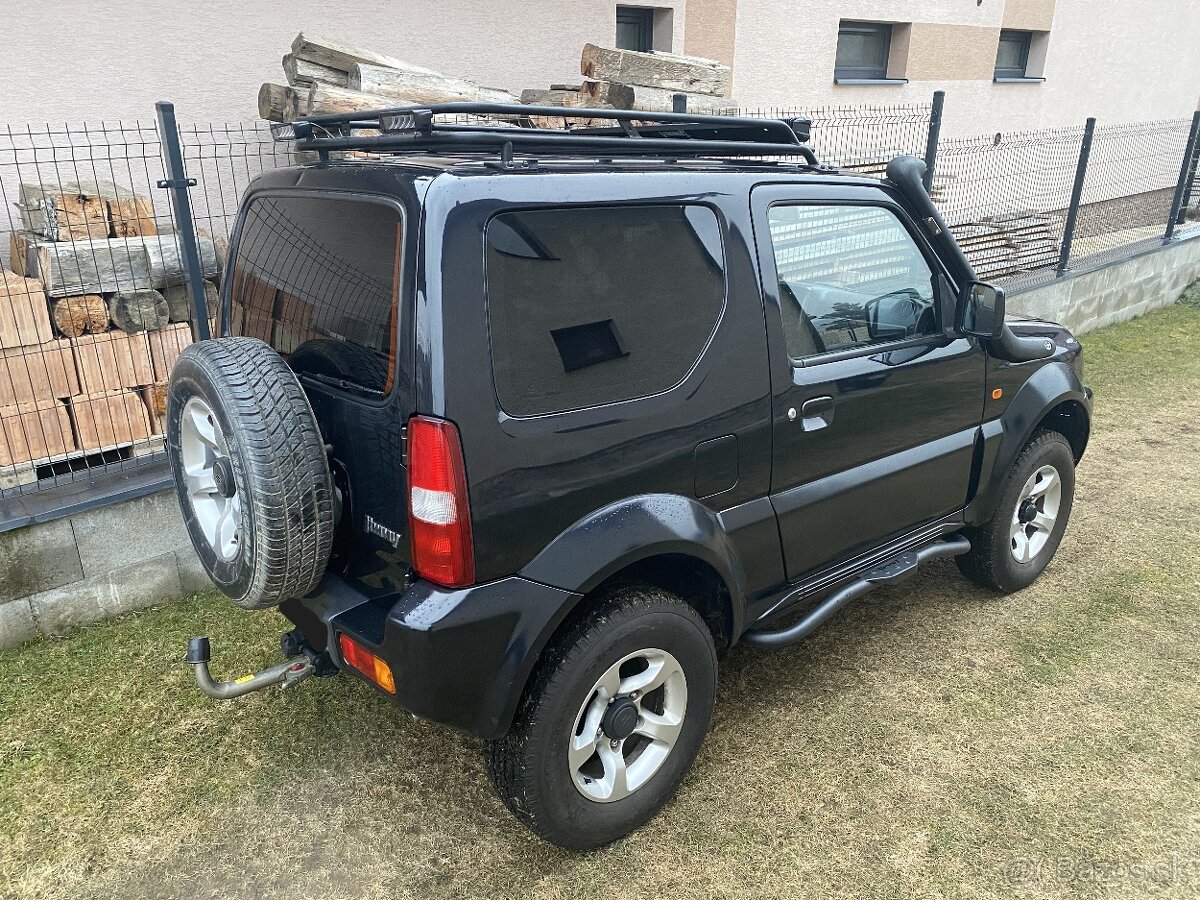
(816, 413)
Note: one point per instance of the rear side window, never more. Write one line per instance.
(316, 278)
(596, 305)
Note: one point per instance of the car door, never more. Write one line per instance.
(876, 402)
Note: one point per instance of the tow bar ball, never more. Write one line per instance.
(285, 674)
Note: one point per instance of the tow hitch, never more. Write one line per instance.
(287, 673)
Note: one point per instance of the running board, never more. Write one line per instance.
(893, 571)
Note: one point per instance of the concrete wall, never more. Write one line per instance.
(1114, 293)
(97, 564)
(114, 560)
(1121, 62)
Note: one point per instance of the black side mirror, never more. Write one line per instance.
(981, 313)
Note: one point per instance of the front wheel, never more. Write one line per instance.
(611, 721)
(1014, 547)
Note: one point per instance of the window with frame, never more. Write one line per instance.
(1012, 54)
(316, 277)
(635, 28)
(849, 276)
(862, 51)
(595, 305)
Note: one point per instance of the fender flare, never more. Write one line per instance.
(636, 528)
(1004, 437)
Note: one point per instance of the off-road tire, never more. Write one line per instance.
(990, 562)
(528, 767)
(279, 465)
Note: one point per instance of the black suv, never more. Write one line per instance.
(525, 426)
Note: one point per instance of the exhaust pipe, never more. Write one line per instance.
(287, 673)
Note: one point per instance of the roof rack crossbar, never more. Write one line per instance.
(632, 132)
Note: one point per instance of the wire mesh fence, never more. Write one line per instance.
(94, 308)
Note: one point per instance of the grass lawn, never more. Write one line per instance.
(930, 741)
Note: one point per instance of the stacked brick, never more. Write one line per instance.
(87, 335)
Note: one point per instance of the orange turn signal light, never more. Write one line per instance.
(997, 393)
(366, 663)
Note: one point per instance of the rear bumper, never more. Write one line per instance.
(459, 657)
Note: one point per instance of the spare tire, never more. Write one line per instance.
(251, 471)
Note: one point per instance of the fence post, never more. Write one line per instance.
(1085, 150)
(931, 141)
(178, 183)
(1186, 172)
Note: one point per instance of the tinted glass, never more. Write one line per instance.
(315, 278)
(848, 276)
(1012, 56)
(862, 50)
(593, 306)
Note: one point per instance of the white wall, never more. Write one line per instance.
(111, 59)
(1119, 61)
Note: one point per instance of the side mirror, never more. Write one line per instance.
(981, 313)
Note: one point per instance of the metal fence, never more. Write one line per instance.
(96, 296)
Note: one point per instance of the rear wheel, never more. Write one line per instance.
(612, 720)
(1012, 549)
(251, 471)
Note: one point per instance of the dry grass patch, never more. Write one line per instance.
(931, 741)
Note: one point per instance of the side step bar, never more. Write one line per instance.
(893, 571)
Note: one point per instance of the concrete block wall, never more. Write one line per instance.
(109, 561)
(96, 564)
(1114, 293)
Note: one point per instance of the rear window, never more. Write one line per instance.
(596, 305)
(315, 277)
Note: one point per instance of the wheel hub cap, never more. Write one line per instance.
(628, 725)
(620, 719)
(1035, 515)
(223, 477)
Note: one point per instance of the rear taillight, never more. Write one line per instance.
(439, 516)
(366, 663)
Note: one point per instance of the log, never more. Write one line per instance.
(74, 316)
(302, 72)
(333, 55)
(666, 71)
(165, 262)
(62, 214)
(556, 98)
(24, 319)
(276, 102)
(134, 311)
(22, 247)
(179, 300)
(421, 86)
(86, 210)
(93, 267)
(119, 264)
(632, 96)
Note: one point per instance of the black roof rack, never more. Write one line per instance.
(509, 127)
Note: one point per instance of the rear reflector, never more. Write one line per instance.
(366, 663)
(439, 516)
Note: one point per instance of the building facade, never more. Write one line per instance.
(1005, 64)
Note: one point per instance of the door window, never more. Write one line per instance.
(589, 306)
(849, 276)
(316, 277)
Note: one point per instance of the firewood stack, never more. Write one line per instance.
(324, 76)
(626, 79)
(90, 324)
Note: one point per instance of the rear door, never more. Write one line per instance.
(875, 407)
(317, 275)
